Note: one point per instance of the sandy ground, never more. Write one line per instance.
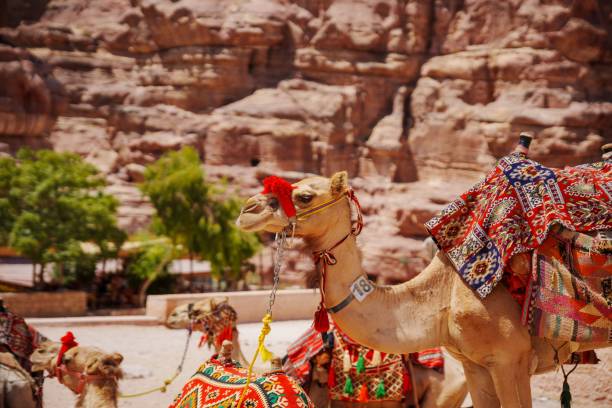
(152, 353)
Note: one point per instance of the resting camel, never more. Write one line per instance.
(88, 372)
(209, 316)
(436, 308)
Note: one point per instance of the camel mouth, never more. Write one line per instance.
(250, 222)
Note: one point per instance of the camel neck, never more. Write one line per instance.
(396, 319)
(101, 394)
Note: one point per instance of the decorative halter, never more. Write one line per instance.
(61, 370)
(282, 189)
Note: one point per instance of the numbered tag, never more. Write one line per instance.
(361, 288)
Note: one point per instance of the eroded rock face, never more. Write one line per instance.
(415, 98)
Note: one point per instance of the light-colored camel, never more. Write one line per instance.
(16, 385)
(89, 372)
(436, 308)
(200, 315)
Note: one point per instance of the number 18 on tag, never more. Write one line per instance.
(361, 288)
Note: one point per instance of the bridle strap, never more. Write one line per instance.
(62, 370)
(302, 215)
(325, 256)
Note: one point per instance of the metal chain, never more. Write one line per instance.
(280, 239)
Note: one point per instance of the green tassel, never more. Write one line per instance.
(360, 364)
(380, 389)
(566, 396)
(348, 386)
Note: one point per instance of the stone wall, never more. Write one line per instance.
(415, 98)
(46, 304)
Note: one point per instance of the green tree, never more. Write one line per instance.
(150, 262)
(8, 205)
(61, 204)
(197, 214)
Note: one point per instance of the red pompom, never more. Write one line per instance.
(282, 190)
(67, 343)
(226, 334)
(321, 320)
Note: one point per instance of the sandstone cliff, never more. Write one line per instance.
(415, 98)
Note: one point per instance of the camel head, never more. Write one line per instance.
(182, 315)
(88, 361)
(262, 212)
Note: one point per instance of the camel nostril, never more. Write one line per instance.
(273, 203)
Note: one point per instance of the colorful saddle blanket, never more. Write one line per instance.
(18, 337)
(569, 296)
(512, 210)
(389, 370)
(216, 385)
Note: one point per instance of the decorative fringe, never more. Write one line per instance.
(226, 334)
(68, 342)
(346, 361)
(266, 355)
(376, 358)
(566, 395)
(348, 386)
(363, 393)
(331, 376)
(380, 389)
(321, 320)
(406, 380)
(360, 364)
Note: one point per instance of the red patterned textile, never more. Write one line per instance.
(512, 210)
(570, 294)
(300, 352)
(429, 358)
(18, 337)
(217, 385)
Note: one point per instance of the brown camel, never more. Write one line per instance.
(436, 308)
(209, 316)
(437, 390)
(89, 372)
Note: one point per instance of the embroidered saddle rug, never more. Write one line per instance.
(569, 295)
(215, 385)
(389, 369)
(18, 337)
(512, 210)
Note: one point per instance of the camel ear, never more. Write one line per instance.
(43, 357)
(339, 183)
(91, 366)
(117, 358)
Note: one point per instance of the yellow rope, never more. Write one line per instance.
(260, 347)
(162, 388)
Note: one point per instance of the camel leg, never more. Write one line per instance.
(512, 383)
(480, 385)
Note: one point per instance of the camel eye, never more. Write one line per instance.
(305, 198)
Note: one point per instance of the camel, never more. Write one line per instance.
(17, 387)
(89, 372)
(204, 316)
(436, 308)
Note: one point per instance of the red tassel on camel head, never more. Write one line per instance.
(282, 190)
(67, 343)
(226, 334)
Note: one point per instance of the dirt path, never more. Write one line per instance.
(152, 353)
